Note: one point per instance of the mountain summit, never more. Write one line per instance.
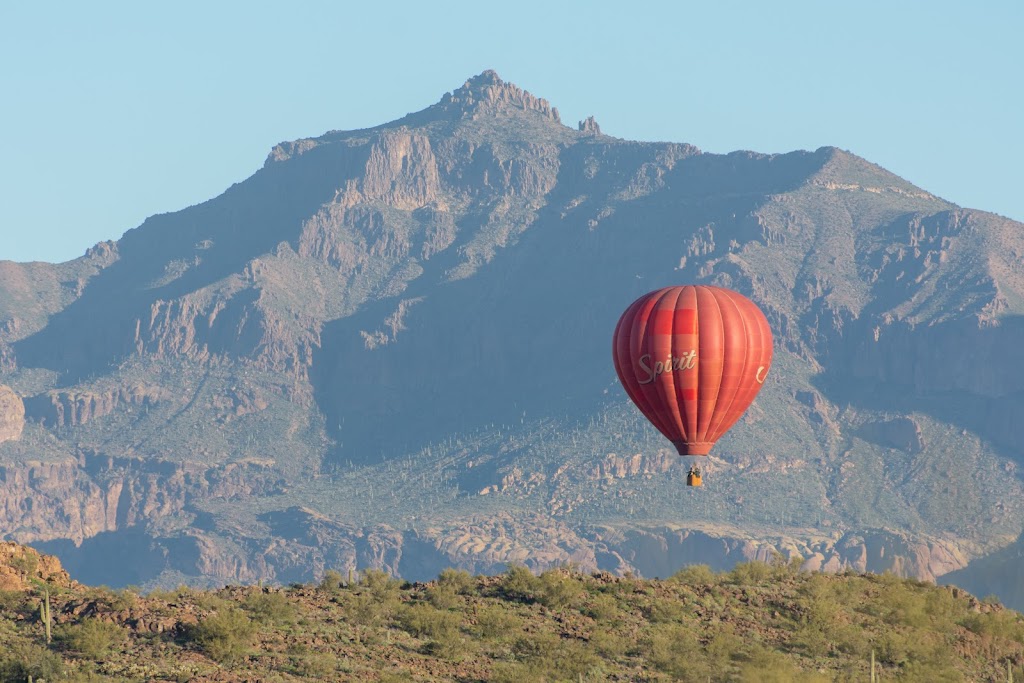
(390, 347)
(488, 93)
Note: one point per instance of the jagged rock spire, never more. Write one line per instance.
(589, 125)
(488, 91)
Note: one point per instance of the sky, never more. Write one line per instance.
(114, 111)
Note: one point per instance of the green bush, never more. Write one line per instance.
(11, 600)
(608, 642)
(396, 677)
(1002, 624)
(316, 665)
(424, 621)
(760, 665)
(519, 584)
(443, 596)
(750, 573)
(723, 647)
(270, 608)
(665, 611)
(696, 575)
(381, 585)
(495, 622)
(208, 601)
(555, 590)
(602, 607)
(225, 636)
(332, 581)
(20, 660)
(364, 610)
(812, 640)
(511, 672)
(92, 638)
(462, 582)
(674, 650)
(572, 660)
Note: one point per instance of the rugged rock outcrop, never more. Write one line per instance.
(12, 414)
(77, 499)
(23, 568)
(62, 408)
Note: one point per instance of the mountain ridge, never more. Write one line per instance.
(194, 385)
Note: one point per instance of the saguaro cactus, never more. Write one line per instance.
(44, 614)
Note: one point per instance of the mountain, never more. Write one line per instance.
(390, 348)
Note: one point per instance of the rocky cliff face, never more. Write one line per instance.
(388, 347)
(12, 414)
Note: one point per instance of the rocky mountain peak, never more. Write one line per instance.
(590, 126)
(486, 91)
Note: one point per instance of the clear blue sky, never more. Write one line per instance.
(117, 111)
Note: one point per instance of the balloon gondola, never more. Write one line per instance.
(692, 358)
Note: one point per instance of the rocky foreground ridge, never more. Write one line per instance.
(761, 621)
(388, 348)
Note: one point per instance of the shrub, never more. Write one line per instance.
(519, 584)
(225, 636)
(696, 575)
(723, 647)
(363, 610)
(609, 643)
(443, 596)
(602, 607)
(535, 646)
(554, 589)
(496, 623)
(332, 581)
(811, 638)
(750, 573)
(270, 608)
(19, 661)
(1002, 624)
(760, 665)
(817, 602)
(315, 665)
(571, 660)
(92, 638)
(396, 677)
(209, 601)
(677, 652)
(459, 580)
(665, 611)
(381, 585)
(422, 620)
(931, 671)
(511, 672)
(11, 600)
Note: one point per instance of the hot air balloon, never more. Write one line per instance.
(692, 359)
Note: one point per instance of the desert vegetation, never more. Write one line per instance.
(758, 622)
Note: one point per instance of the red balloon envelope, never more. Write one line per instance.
(692, 359)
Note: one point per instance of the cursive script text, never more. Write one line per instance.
(670, 364)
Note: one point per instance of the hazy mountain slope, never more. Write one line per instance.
(390, 347)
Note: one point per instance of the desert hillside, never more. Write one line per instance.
(759, 622)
